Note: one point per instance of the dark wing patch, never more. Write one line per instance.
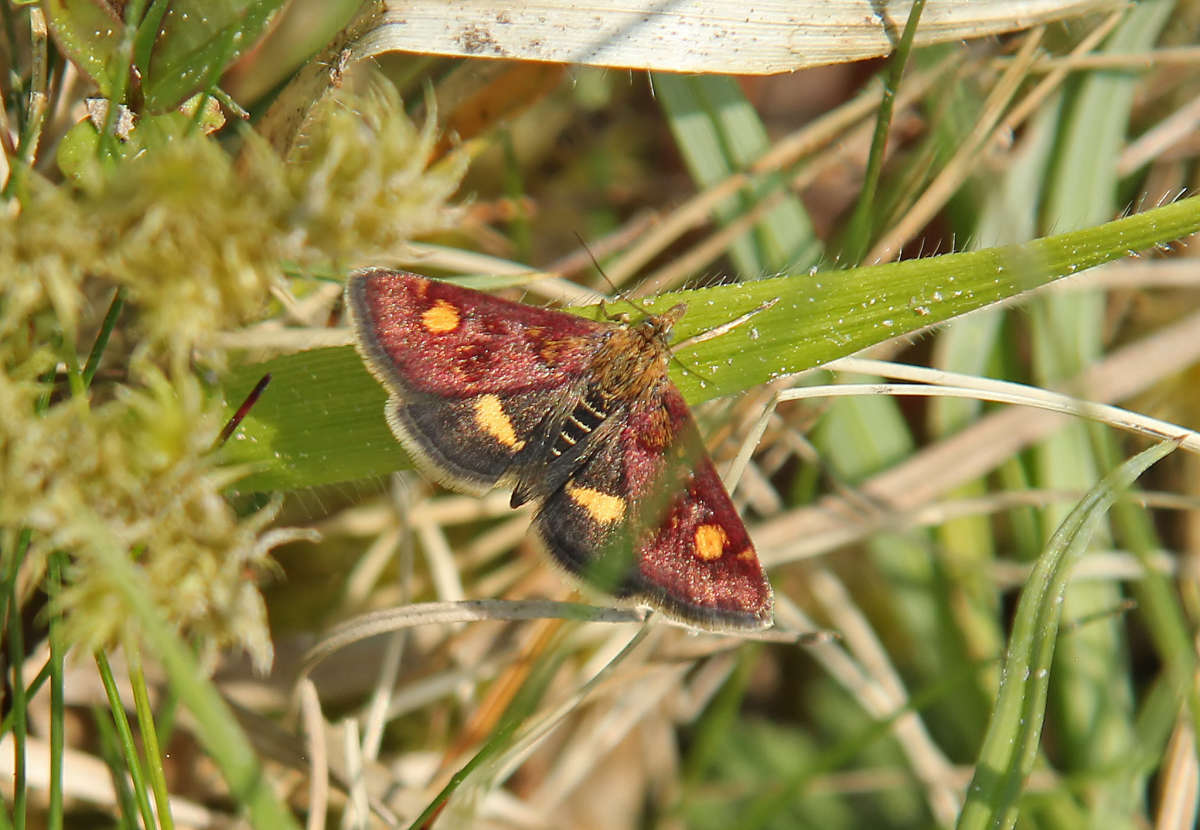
(470, 443)
(470, 376)
(651, 522)
(586, 524)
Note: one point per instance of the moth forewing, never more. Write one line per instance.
(579, 416)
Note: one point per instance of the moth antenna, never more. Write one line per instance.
(691, 341)
(625, 298)
(243, 410)
(595, 262)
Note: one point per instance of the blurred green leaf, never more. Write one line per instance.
(197, 40)
(89, 33)
(147, 34)
(77, 151)
(719, 132)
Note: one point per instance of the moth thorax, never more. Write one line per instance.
(631, 362)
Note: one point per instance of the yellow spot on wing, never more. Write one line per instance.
(710, 542)
(603, 508)
(440, 318)
(491, 418)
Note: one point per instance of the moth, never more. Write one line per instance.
(577, 416)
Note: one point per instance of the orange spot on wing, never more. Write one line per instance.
(491, 418)
(602, 507)
(440, 318)
(710, 542)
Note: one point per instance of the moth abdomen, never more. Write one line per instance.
(579, 423)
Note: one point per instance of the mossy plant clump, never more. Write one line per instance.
(193, 234)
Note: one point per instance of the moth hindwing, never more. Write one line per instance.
(575, 415)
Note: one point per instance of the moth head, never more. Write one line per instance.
(658, 326)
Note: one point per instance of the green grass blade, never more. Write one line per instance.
(1093, 695)
(321, 420)
(101, 341)
(124, 734)
(109, 750)
(14, 638)
(975, 346)
(1012, 741)
(860, 231)
(518, 712)
(718, 132)
(216, 726)
(57, 566)
(149, 733)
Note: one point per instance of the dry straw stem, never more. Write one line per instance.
(1166, 56)
(1111, 565)
(1180, 780)
(1098, 565)
(853, 118)
(953, 385)
(718, 36)
(396, 619)
(1136, 274)
(318, 756)
(829, 129)
(977, 19)
(975, 450)
(89, 780)
(593, 681)
(989, 131)
(614, 678)
(858, 662)
(1175, 129)
(881, 692)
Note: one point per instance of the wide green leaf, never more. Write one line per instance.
(321, 420)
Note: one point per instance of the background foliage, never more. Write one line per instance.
(304, 630)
